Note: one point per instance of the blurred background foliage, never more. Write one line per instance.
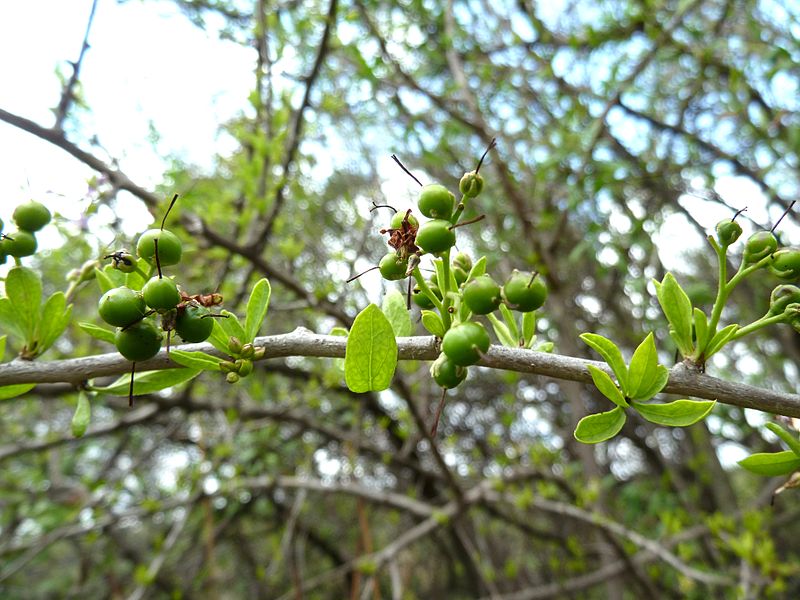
(622, 128)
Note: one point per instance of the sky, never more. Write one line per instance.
(147, 69)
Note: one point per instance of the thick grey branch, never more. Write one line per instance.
(302, 342)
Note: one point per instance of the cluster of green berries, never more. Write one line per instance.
(134, 312)
(29, 218)
(762, 250)
(465, 341)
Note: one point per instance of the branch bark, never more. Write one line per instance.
(683, 380)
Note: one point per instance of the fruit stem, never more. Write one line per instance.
(354, 277)
(786, 212)
(169, 208)
(158, 262)
(409, 173)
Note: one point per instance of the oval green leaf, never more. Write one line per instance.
(600, 427)
(371, 353)
(788, 438)
(643, 368)
(680, 413)
(394, 308)
(14, 390)
(257, 306)
(24, 290)
(771, 463)
(678, 309)
(605, 384)
(100, 333)
(433, 323)
(195, 360)
(610, 353)
(148, 382)
(82, 415)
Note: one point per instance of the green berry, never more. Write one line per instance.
(398, 218)
(169, 247)
(471, 184)
(436, 236)
(524, 292)
(446, 373)
(121, 307)
(139, 341)
(785, 264)
(482, 295)
(728, 232)
(193, 324)
(759, 245)
(782, 296)
(31, 216)
(19, 243)
(436, 202)
(161, 293)
(392, 268)
(465, 343)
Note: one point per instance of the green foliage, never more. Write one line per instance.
(371, 355)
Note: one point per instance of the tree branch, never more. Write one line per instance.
(683, 380)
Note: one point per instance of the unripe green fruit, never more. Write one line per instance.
(392, 268)
(781, 297)
(126, 262)
(446, 373)
(759, 245)
(193, 325)
(139, 341)
(397, 221)
(482, 295)
(121, 306)
(522, 294)
(462, 261)
(421, 299)
(785, 264)
(31, 216)
(436, 236)
(19, 243)
(169, 247)
(465, 343)
(471, 184)
(161, 293)
(728, 232)
(436, 201)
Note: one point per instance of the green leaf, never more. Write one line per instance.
(135, 280)
(394, 307)
(257, 306)
(371, 354)
(2, 347)
(679, 413)
(511, 322)
(14, 390)
(700, 328)
(195, 360)
(600, 427)
(218, 337)
(24, 291)
(610, 353)
(771, 463)
(55, 318)
(433, 323)
(231, 327)
(605, 384)
(103, 281)
(643, 368)
(788, 438)
(478, 269)
(82, 415)
(9, 321)
(678, 309)
(502, 332)
(719, 340)
(529, 327)
(657, 384)
(148, 382)
(100, 333)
